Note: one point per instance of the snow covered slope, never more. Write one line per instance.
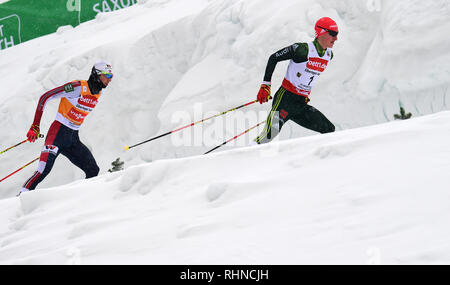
(176, 61)
(363, 194)
(371, 195)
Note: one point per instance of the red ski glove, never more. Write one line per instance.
(264, 93)
(33, 133)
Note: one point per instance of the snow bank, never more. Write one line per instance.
(176, 61)
(373, 195)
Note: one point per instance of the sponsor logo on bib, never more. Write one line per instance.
(317, 64)
(89, 101)
(76, 116)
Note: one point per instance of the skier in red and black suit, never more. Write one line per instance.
(78, 99)
(307, 62)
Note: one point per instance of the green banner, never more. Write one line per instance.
(9, 31)
(23, 20)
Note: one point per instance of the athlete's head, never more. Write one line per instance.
(102, 71)
(326, 32)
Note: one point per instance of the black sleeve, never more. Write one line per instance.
(295, 52)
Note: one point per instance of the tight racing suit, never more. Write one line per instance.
(307, 62)
(77, 101)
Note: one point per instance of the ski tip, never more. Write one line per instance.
(126, 148)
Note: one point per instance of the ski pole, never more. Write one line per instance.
(24, 141)
(19, 169)
(235, 137)
(192, 124)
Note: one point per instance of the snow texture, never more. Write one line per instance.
(376, 191)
